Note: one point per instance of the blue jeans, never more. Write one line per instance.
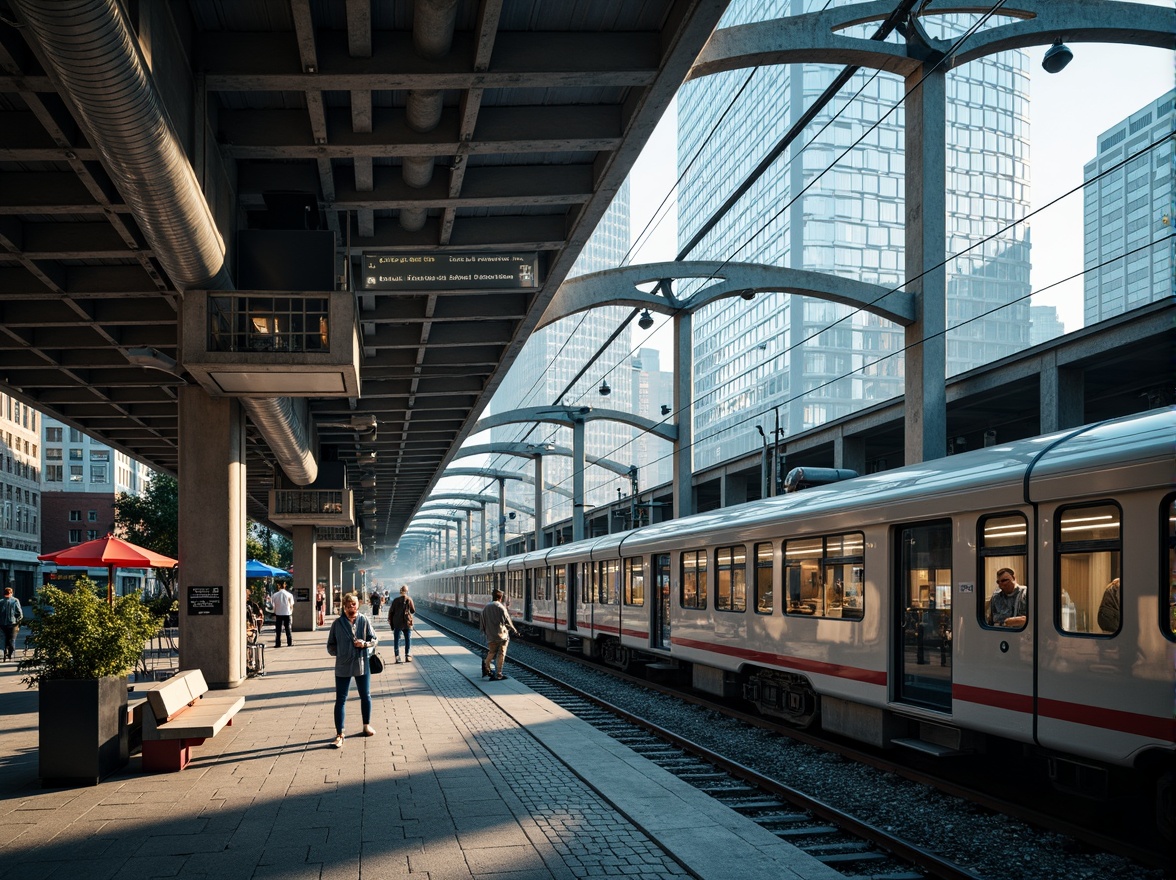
(364, 684)
(407, 641)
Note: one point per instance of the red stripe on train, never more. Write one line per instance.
(838, 670)
(1118, 720)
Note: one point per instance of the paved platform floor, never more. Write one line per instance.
(463, 779)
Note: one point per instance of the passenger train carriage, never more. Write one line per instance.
(862, 606)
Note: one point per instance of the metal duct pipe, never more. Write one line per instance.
(287, 417)
(90, 50)
(433, 24)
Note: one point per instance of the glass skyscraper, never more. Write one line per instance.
(805, 360)
(550, 360)
(1127, 209)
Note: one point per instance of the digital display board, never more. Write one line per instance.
(450, 271)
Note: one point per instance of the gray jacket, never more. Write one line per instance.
(496, 623)
(350, 660)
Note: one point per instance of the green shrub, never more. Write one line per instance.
(77, 635)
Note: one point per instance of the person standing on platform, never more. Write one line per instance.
(11, 615)
(348, 642)
(497, 627)
(283, 601)
(400, 618)
(377, 601)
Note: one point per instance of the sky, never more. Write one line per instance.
(1068, 111)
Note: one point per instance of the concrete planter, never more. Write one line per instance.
(83, 730)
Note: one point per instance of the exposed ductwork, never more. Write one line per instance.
(433, 24)
(89, 48)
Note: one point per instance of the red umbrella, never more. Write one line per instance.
(112, 553)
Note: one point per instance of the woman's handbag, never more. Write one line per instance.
(376, 663)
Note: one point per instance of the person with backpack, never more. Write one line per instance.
(11, 615)
(400, 618)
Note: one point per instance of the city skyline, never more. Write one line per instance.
(1108, 81)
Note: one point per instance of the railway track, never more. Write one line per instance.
(1050, 815)
(834, 837)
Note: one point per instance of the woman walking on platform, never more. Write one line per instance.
(350, 638)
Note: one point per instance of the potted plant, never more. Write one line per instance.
(83, 649)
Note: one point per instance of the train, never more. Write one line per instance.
(864, 606)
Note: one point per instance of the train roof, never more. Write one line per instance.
(1099, 453)
(1133, 451)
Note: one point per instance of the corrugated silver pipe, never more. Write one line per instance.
(433, 24)
(90, 51)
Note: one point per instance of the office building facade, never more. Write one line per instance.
(1128, 213)
(20, 496)
(547, 365)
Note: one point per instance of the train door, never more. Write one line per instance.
(573, 592)
(559, 602)
(922, 618)
(528, 597)
(660, 630)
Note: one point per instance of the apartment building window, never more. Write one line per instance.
(98, 473)
(75, 516)
(75, 454)
(53, 453)
(75, 436)
(75, 536)
(53, 435)
(92, 516)
(53, 473)
(91, 534)
(76, 474)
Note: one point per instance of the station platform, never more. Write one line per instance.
(464, 778)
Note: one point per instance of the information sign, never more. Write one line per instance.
(450, 271)
(206, 600)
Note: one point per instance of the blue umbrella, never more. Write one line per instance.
(256, 569)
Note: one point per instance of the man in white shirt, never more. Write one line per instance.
(283, 601)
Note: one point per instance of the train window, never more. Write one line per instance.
(763, 578)
(612, 581)
(1003, 544)
(1170, 617)
(587, 592)
(826, 576)
(731, 579)
(694, 579)
(561, 585)
(634, 581)
(539, 584)
(1089, 545)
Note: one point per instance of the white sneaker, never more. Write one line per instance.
(338, 743)
(368, 730)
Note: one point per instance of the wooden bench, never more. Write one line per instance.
(179, 717)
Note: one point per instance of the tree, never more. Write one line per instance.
(265, 545)
(152, 520)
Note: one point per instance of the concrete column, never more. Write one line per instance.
(538, 459)
(303, 620)
(469, 536)
(1062, 396)
(458, 547)
(212, 523)
(483, 532)
(849, 452)
(306, 576)
(501, 518)
(577, 479)
(926, 247)
(683, 414)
